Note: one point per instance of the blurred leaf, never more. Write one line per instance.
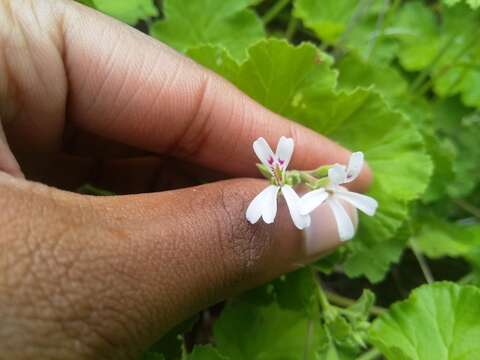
(87, 2)
(153, 356)
(419, 41)
(462, 127)
(373, 259)
(356, 72)
(458, 69)
(474, 4)
(271, 332)
(205, 353)
(437, 322)
(129, 11)
(296, 291)
(329, 19)
(437, 237)
(226, 23)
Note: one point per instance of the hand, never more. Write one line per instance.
(104, 277)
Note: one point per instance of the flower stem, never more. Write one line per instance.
(378, 28)
(468, 207)
(345, 302)
(426, 71)
(427, 273)
(371, 354)
(291, 27)
(358, 13)
(274, 11)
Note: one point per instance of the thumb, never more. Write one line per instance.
(189, 248)
(106, 276)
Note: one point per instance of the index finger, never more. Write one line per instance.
(126, 86)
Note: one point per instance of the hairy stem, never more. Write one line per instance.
(274, 11)
(371, 354)
(345, 302)
(468, 207)
(291, 28)
(427, 273)
(378, 28)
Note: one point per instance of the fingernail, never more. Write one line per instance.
(322, 235)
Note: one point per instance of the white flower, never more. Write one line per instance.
(264, 205)
(333, 192)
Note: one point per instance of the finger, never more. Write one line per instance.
(107, 276)
(8, 163)
(193, 247)
(126, 86)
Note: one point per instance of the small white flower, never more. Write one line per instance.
(264, 205)
(333, 192)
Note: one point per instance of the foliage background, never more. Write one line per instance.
(399, 80)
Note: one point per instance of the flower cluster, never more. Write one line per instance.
(325, 182)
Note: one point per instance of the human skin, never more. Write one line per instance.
(85, 277)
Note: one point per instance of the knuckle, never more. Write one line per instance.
(195, 132)
(25, 27)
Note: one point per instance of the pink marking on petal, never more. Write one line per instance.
(270, 160)
(281, 161)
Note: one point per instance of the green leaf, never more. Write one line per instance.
(129, 11)
(296, 82)
(296, 291)
(205, 353)
(226, 23)
(457, 71)
(153, 356)
(437, 322)
(269, 332)
(462, 127)
(474, 4)
(87, 2)
(437, 237)
(329, 19)
(374, 258)
(352, 24)
(356, 72)
(443, 154)
(419, 43)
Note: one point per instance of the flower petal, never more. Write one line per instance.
(259, 203)
(355, 165)
(345, 226)
(362, 202)
(284, 151)
(263, 152)
(270, 204)
(337, 174)
(311, 200)
(292, 199)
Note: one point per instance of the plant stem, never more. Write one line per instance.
(426, 71)
(378, 28)
(467, 279)
(274, 11)
(427, 273)
(468, 207)
(306, 349)
(344, 302)
(291, 27)
(357, 15)
(371, 354)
